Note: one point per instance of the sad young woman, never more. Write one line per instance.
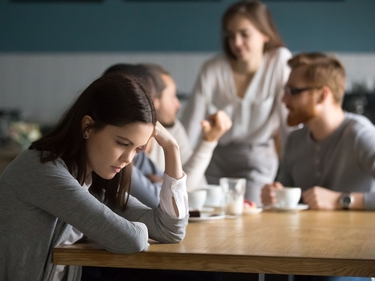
(75, 182)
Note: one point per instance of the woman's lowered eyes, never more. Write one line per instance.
(124, 141)
(126, 144)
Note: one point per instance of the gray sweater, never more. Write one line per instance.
(39, 204)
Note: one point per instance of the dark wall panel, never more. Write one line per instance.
(192, 26)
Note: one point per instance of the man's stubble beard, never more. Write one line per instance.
(302, 116)
(168, 125)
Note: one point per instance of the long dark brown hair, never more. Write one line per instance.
(259, 15)
(113, 99)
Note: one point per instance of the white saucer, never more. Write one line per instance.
(207, 217)
(207, 209)
(300, 207)
(252, 210)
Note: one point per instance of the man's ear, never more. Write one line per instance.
(324, 94)
(86, 125)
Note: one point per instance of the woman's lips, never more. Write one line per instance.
(117, 169)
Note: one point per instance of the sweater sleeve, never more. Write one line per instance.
(161, 227)
(162, 222)
(50, 188)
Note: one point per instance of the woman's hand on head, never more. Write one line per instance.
(215, 126)
(163, 137)
(173, 166)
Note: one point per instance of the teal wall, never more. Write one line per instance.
(118, 25)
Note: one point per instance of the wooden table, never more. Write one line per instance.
(340, 243)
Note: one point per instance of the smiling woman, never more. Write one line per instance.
(246, 82)
(44, 198)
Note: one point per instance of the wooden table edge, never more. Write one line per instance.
(216, 262)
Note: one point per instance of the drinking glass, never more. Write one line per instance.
(234, 192)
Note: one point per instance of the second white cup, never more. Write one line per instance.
(214, 195)
(196, 199)
(288, 197)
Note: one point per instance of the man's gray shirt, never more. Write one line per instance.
(344, 161)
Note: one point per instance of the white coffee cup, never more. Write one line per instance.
(288, 197)
(197, 198)
(214, 195)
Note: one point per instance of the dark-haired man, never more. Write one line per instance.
(167, 106)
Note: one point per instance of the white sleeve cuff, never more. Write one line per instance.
(207, 146)
(172, 188)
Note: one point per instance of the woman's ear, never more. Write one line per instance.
(157, 103)
(86, 126)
